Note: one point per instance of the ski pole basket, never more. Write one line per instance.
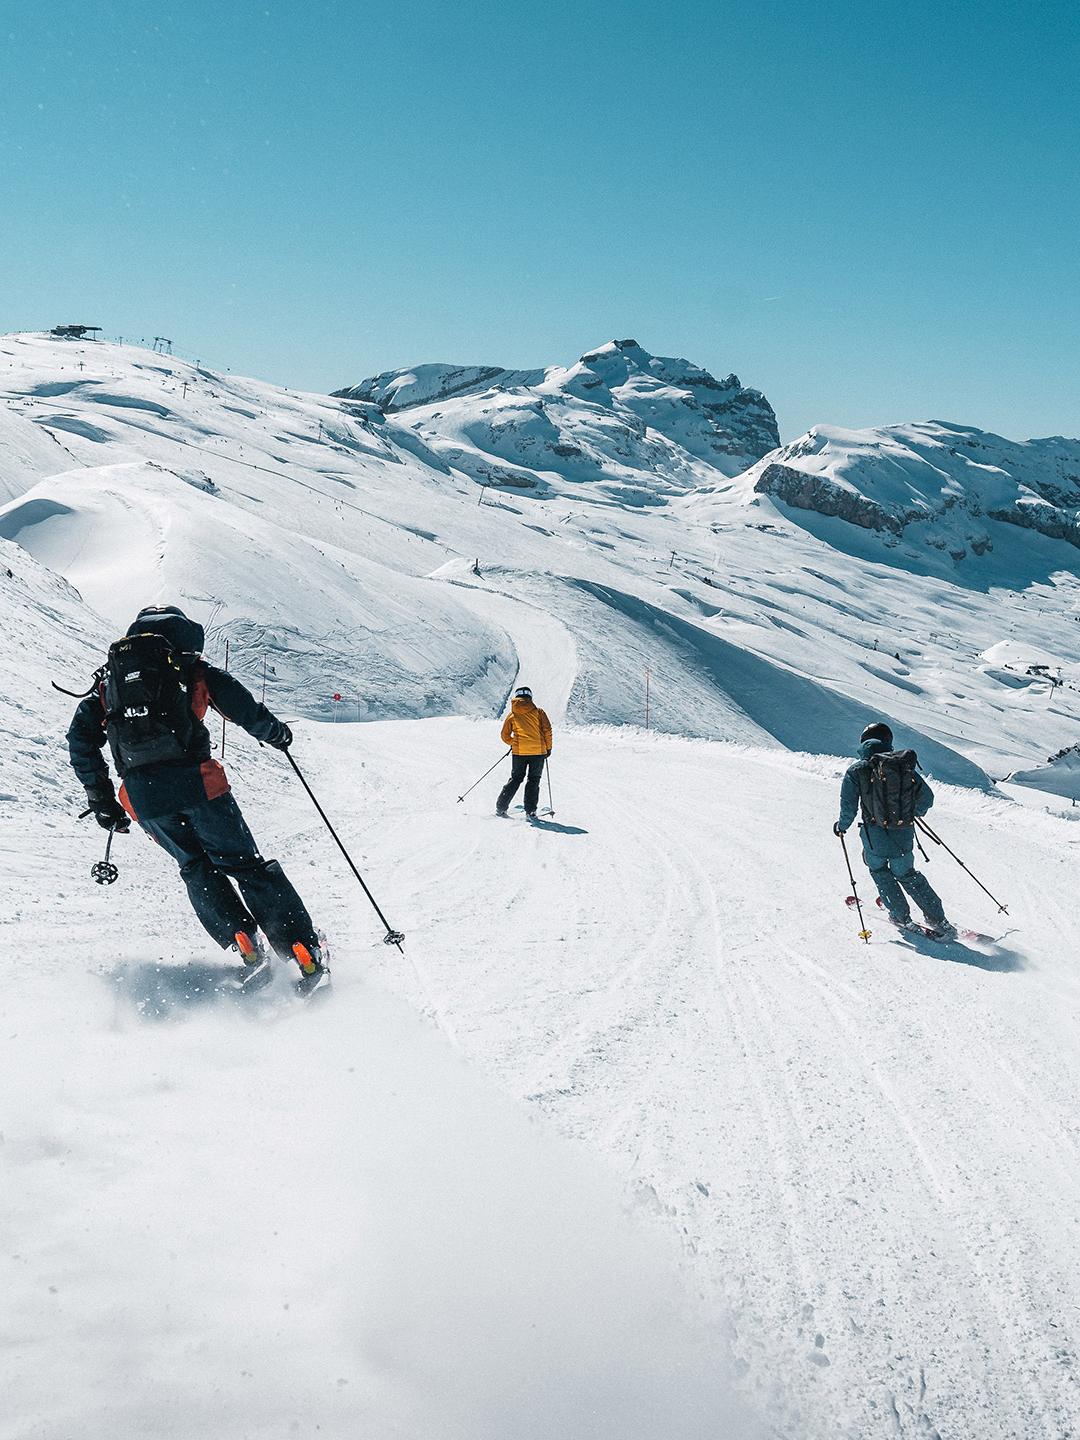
(104, 871)
(864, 933)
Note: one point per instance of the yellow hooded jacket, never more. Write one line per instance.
(527, 730)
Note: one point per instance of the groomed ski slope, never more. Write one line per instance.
(259, 1221)
(868, 1151)
(850, 1171)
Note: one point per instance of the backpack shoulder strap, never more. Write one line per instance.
(862, 779)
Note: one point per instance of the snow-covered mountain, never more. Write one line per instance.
(379, 555)
(934, 485)
(640, 429)
(864, 1152)
(633, 424)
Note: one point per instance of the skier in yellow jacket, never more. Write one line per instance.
(527, 730)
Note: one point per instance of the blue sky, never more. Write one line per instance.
(870, 211)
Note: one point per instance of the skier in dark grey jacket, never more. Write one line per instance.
(890, 853)
(183, 800)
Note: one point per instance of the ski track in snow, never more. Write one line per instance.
(256, 1218)
(822, 1122)
(547, 655)
(868, 1154)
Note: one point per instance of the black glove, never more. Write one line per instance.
(283, 739)
(547, 754)
(838, 829)
(108, 812)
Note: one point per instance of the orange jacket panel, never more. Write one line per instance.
(527, 730)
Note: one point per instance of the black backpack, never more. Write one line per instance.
(888, 786)
(148, 716)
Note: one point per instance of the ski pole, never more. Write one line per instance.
(483, 776)
(938, 841)
(864, 933)
(392, 937)
(551, 803)
(104, 871)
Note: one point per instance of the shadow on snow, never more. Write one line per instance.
(800, 713)
(558, 829)
(159, 991)
(994, 957)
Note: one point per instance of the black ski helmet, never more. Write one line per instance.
(523, 693)
(169, 620)
(877, 731)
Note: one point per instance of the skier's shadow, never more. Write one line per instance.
(994, 957)
(557, 829)
(162, 991)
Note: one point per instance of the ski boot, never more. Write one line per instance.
(942, 930)
(255, 972)
(907, 925)
(314, 966)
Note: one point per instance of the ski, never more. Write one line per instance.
(250, 979)
(316, 989)
(972, 936)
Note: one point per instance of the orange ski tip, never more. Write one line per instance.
(304, 958)
(245, 944)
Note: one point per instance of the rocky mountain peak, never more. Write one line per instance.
(640, 394)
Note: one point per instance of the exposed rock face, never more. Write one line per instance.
(1049, 520)
(805, 491)
(643, 428)
(707, 416)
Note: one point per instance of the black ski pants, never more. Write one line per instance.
(211, 843)
(522, 765)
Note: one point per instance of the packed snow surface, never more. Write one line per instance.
(637, 1138)
(262, 1215)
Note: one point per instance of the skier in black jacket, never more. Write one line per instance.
(184, 803)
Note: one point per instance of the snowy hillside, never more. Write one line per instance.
(341, 546)
(931, 485)
(848, 1169)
